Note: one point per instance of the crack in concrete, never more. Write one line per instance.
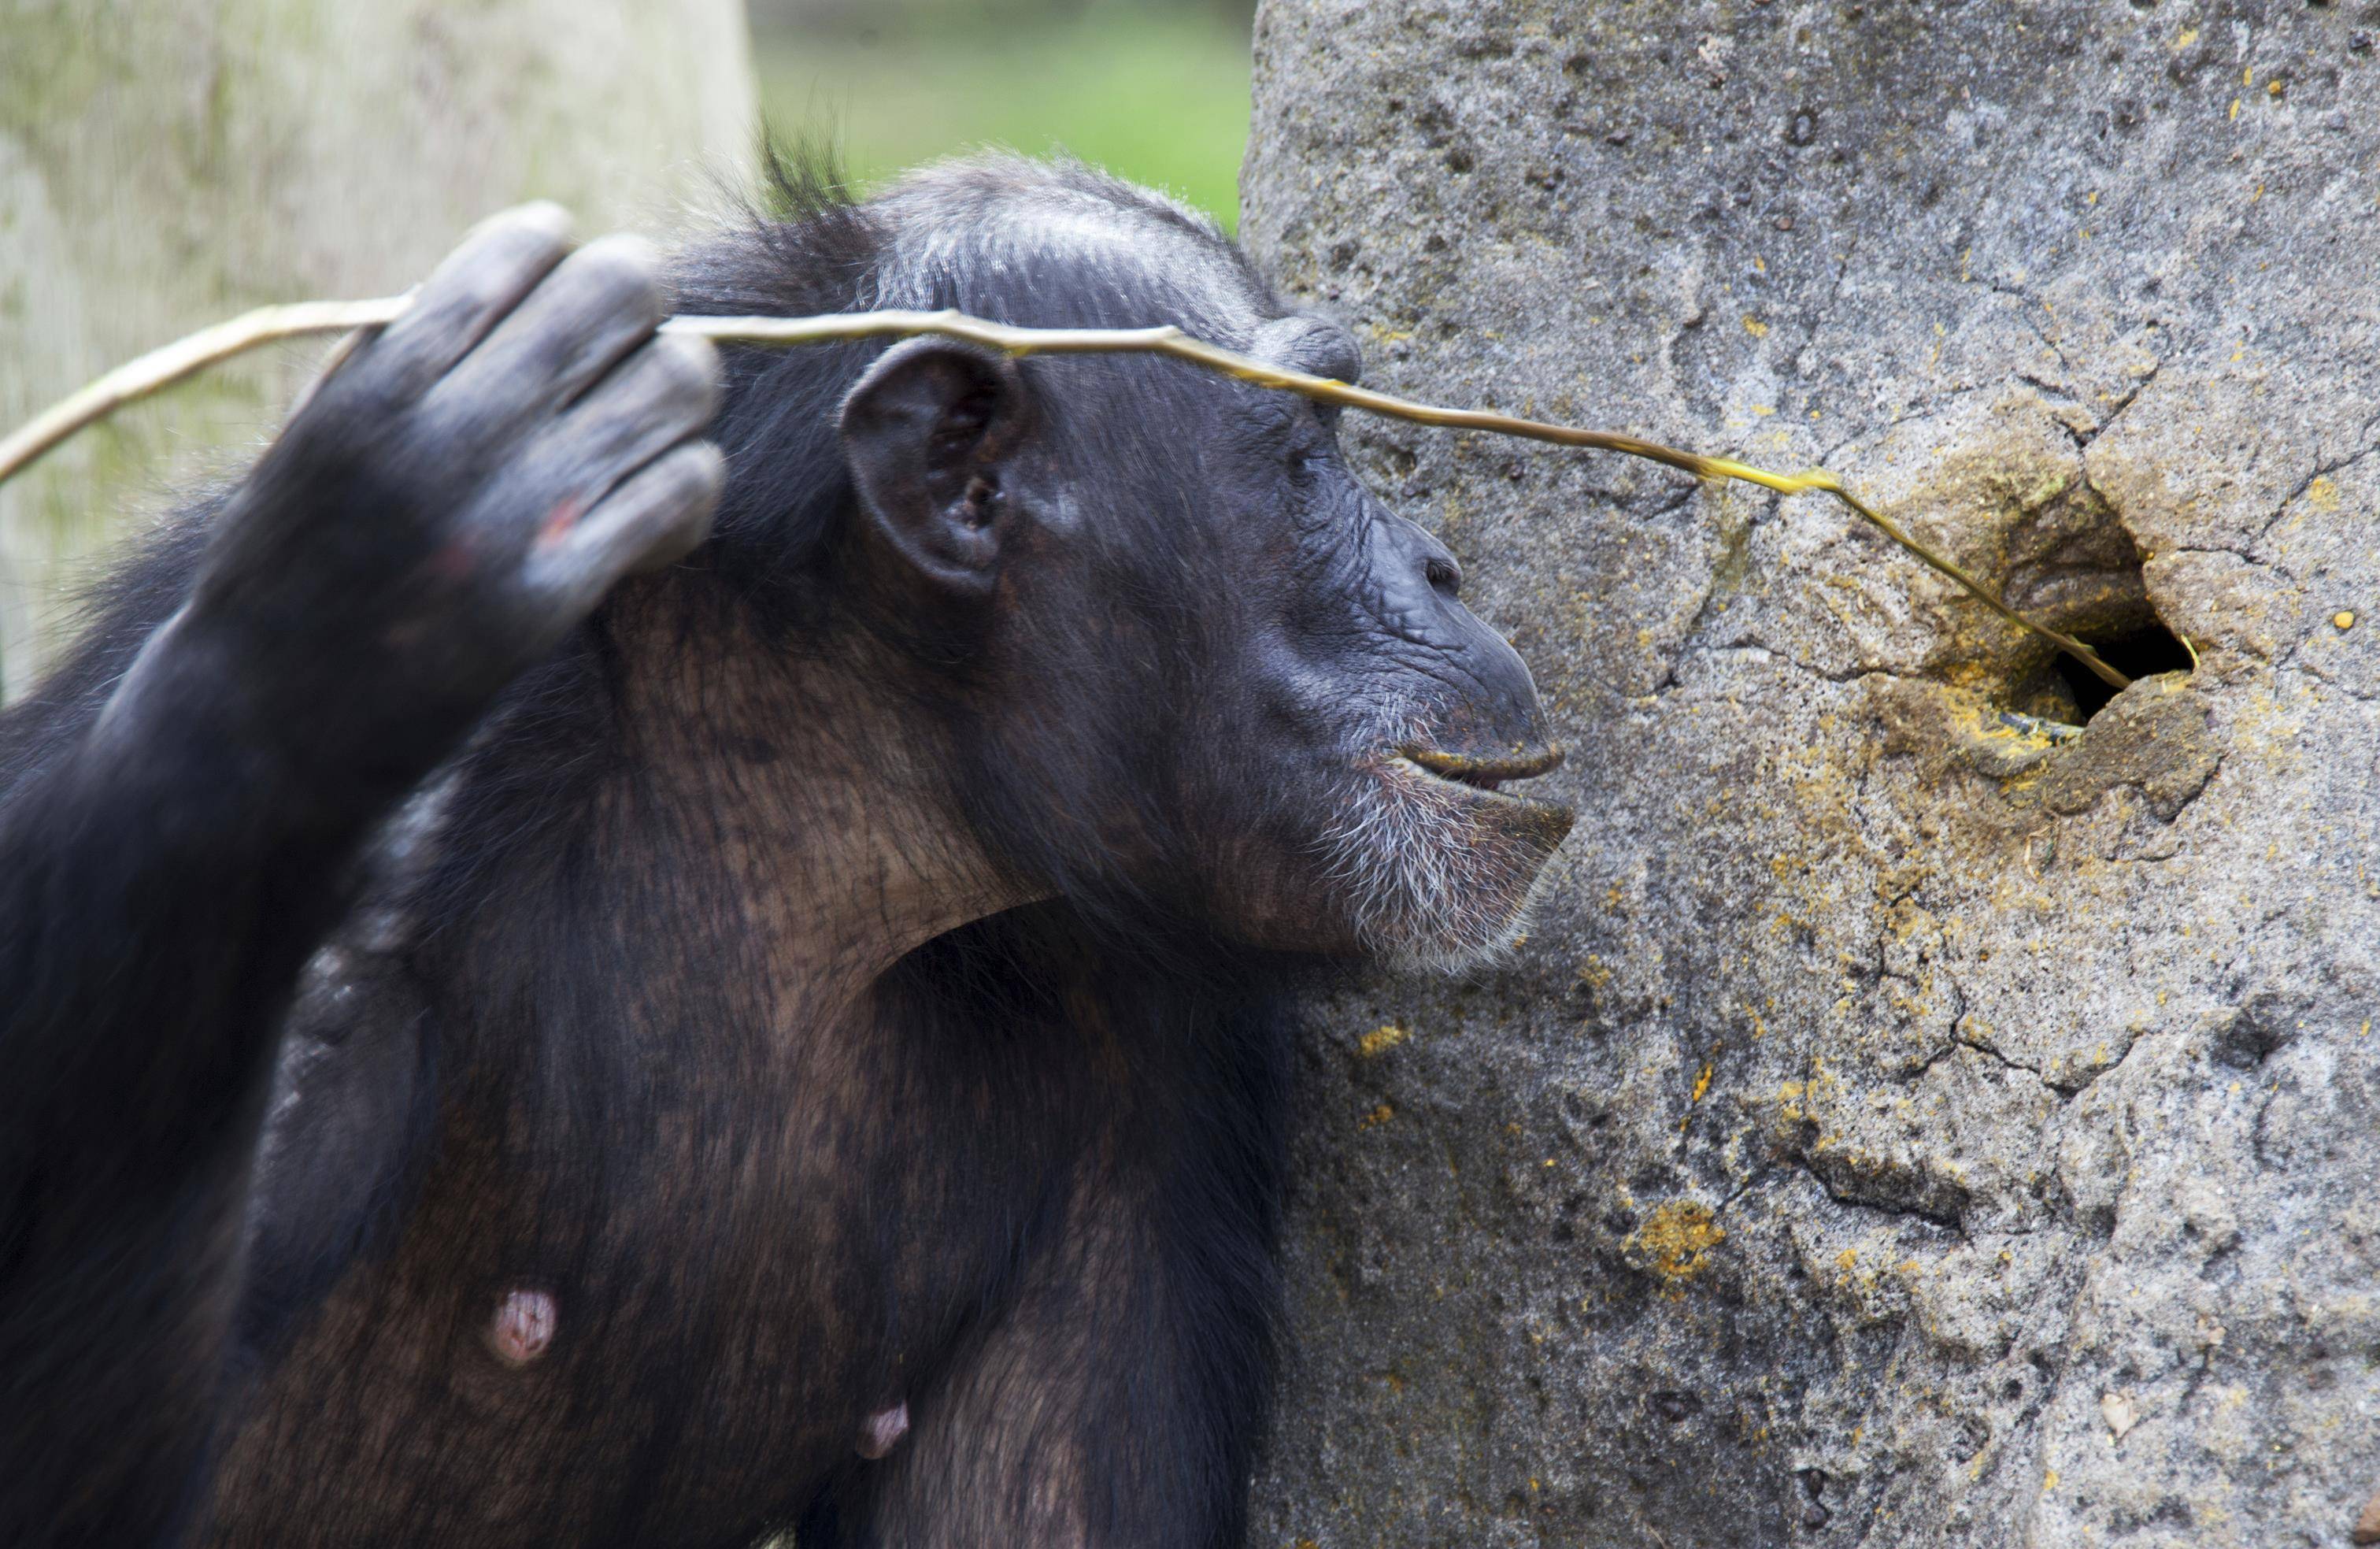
(1948, 1220)
(1983, 1046)
(2156, 364)
(2321, 470)
(2050, 390)
(2026, 303)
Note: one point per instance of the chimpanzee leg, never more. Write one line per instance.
(448, 504)
(1115, 1404)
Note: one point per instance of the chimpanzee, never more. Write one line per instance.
(623, 945)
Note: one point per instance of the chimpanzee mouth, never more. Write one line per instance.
(1479, 773)
(1437, 859)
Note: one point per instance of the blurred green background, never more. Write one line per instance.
(1154, 90)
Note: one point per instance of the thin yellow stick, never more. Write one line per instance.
(162, 367)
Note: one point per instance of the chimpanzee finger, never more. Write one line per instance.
(599, 303)
(661, 394)
(656, 517)
(466, 295)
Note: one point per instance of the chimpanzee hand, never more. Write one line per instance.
(452, 500)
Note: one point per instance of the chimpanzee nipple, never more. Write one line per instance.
(880, 1430)
(522, 1327)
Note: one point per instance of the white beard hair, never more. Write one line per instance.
(1427, 888)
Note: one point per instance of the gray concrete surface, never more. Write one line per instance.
(1898, 1128)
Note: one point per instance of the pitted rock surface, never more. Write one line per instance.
(1900, 1127)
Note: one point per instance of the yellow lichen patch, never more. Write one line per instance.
(2344, 619)
(2321, 494)
(1675, 1241)
(1755, 327)
(1380, 1114)
(1381, 1040)
(1702, 1083)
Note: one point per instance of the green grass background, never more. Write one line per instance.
(1155, 93)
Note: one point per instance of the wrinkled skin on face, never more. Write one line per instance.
(1398, 711)
(1215, 678)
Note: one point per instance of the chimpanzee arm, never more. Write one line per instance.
(1116, 1400)
(1115, 1404)
(447, 506)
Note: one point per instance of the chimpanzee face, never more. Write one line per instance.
(1395, 715)
(1209, 674)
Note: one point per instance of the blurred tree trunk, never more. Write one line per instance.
(165, 163)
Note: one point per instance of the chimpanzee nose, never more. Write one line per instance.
(1492, 709)
(1439, 569)
(1445, 577)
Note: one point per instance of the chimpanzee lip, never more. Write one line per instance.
(1483, 772)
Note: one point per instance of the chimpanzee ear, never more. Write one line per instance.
(926, 432)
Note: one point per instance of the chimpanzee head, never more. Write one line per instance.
(1196, 671)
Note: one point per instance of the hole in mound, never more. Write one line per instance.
(2083, 575)
(2141, 652)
